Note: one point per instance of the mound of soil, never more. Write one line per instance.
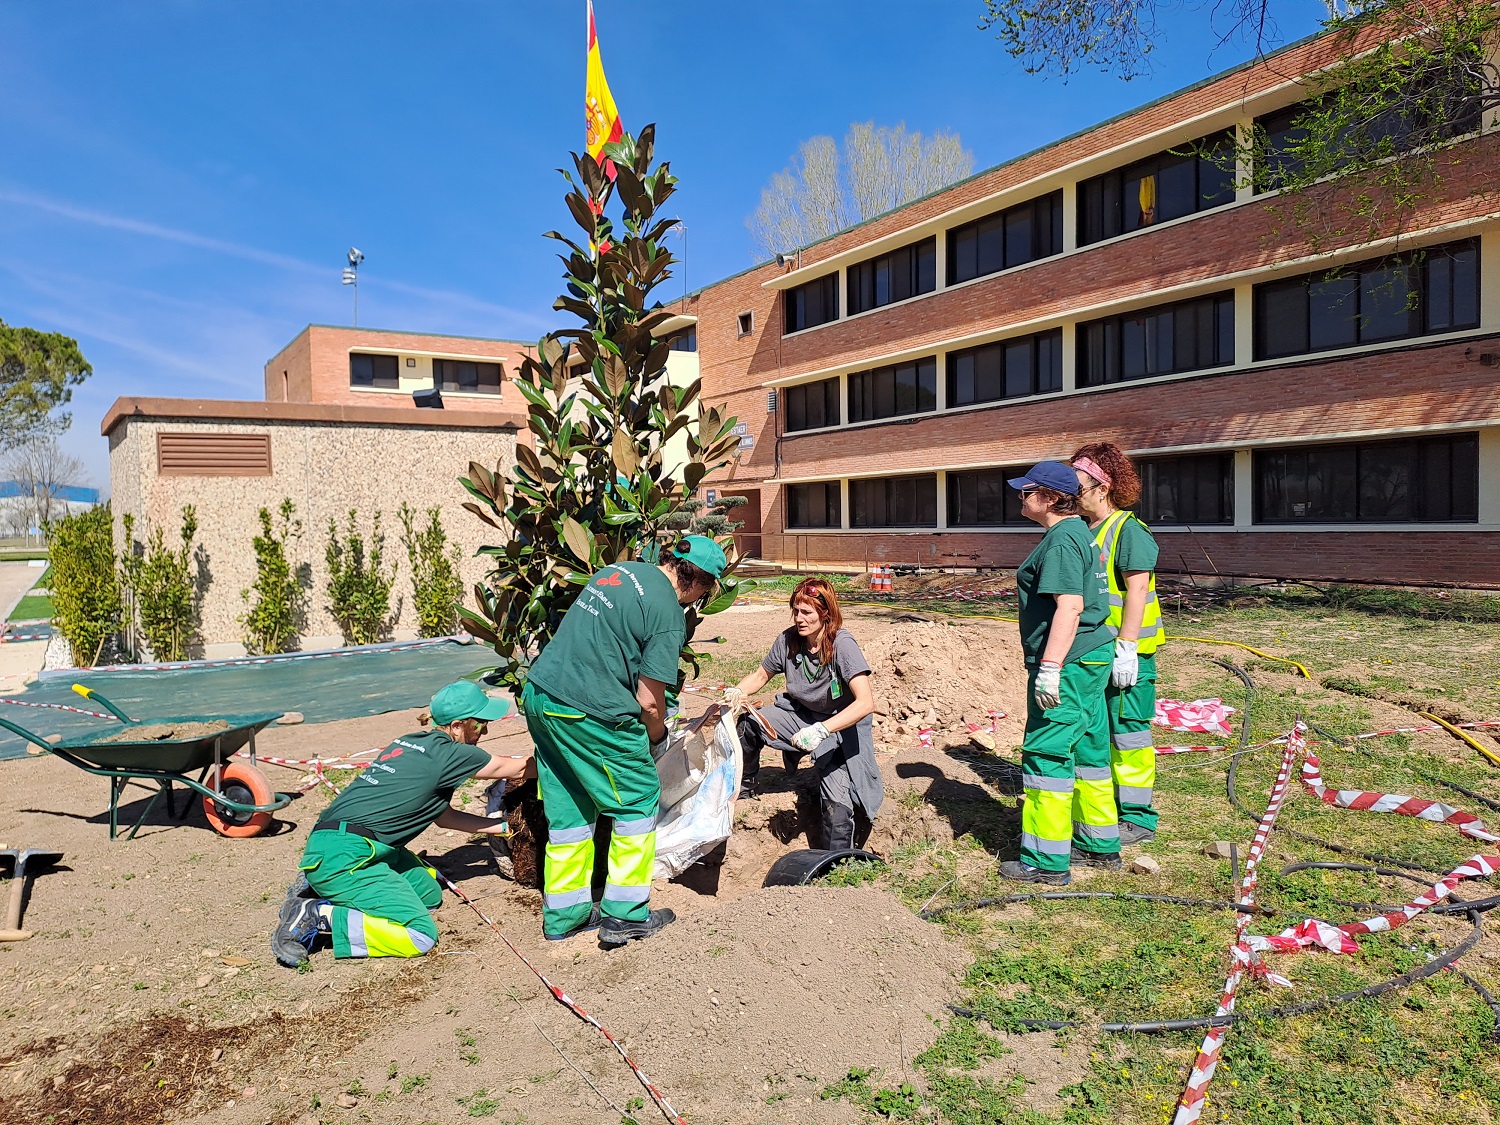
(943, 675)
(166, 732)
(784, 981)
(933, 584)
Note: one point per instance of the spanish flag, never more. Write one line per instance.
(601, 119)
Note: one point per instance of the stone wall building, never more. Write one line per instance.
(230, 459)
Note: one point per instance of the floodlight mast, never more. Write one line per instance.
(351, 277)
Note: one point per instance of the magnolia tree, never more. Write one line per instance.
(597, 484)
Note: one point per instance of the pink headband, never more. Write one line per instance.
(1093, 470)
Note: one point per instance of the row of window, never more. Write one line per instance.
(1184, 180)
(459, 376)
(1408, 480)
(1415, 294)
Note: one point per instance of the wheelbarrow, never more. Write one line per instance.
(237, 797)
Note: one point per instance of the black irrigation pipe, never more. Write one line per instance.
(1487, 802)
(1056, 896)
(1384, 866)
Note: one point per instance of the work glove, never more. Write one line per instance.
(660, 744)
(810, 738)
(734, 698)
(1048, 689)
(1127, 669)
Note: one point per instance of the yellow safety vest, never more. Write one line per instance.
(1108, 538)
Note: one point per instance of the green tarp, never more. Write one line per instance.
(347, 684)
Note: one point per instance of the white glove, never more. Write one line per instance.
(1127, 669)
(1048, 689)
(734, 698)
(660, 744)
(810, 738)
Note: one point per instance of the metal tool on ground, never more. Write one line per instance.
(23, 859)
(237, 797)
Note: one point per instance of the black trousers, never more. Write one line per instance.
(843, 827)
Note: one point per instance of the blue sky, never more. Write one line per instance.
(179, 179)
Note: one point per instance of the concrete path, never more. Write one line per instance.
(19, 660)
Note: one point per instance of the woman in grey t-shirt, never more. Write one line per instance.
(825, 711)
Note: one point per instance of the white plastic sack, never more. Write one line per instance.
(700, 779)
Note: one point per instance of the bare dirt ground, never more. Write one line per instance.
(149, 993)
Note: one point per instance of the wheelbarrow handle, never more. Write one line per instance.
(26, 734)
(92, 695)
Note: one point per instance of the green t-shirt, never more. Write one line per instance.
(1066, 561)
(1137, 549)
(403, 791)
(626, 624)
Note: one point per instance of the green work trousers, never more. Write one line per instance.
(381, 895)
(587, 768)
(1065, 772)
(1132, 748)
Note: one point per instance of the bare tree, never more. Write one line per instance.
(42, 470)
(825, 189)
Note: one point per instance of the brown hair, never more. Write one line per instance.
(817, 593)
(1063, 503)
(1125, 484)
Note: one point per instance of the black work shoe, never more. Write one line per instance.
(616, 931)
(1134, 834)
(1020, 872)
(1110, 861)
(750, 789)
(297, 929)
(581, 928)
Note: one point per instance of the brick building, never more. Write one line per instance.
(1331, 414)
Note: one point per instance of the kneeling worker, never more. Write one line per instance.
(359, 884)
(595, 703)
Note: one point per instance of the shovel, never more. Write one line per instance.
(35, 857)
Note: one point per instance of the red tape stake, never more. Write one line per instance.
(573, 1006)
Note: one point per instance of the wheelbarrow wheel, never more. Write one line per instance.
(245, 784)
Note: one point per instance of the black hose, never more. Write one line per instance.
(1056, 896)
(1196, 1023)
(1487, 802)
(1231, 780)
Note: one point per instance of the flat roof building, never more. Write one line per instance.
(1306, 407)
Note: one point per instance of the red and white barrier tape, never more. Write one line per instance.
(1243, 959)
(57, 707)
(573, 1006)
(8, 637)
(1201, 716)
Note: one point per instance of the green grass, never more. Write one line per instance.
(1423, 1051)
(32, 607)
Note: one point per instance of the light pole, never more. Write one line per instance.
(351, 277)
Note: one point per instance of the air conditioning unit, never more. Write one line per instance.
(771, 402)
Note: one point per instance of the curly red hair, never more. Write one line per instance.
(1125, 483)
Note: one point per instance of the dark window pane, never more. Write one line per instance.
(1224, 330)
(813, 505)
(1138, 198)
(1385, 481)
(1018, 369)
(1463, 478)
(1216, 173)
(1281, 319)
(796, 408)
(1049, 361)
(1018, 236)
(1176, 187)
(1387, 305)
(1196, 489)
(1332, 312)
(373, 371)
(989, 378)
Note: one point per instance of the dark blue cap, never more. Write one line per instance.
(1048, 474)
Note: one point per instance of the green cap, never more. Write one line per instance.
(703, 553)
(464, 700)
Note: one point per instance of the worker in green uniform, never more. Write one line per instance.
(1109, 485)
(358, 883)
(596, 706)
(1069, 810)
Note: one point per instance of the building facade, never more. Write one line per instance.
(375, 367)
(1301, 404)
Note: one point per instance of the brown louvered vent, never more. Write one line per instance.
(213, 455)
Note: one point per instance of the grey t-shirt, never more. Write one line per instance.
(822, 689)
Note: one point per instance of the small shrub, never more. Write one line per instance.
(437, 590)
(161, 601)
(278, 599)
(85, 581)
(359, 588)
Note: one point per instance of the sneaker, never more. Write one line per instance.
(1134, 834)
(1020, 872)
(616, 931)
(581, 928)
(297, 929)
(1110, 861)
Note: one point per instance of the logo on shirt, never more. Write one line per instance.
(611, 579)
